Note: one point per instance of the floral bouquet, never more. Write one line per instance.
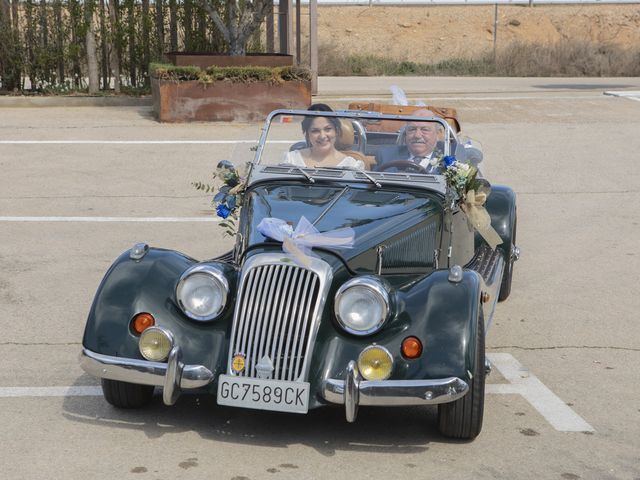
(461, 177)
(228, 197)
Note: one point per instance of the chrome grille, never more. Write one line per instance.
(277, 304)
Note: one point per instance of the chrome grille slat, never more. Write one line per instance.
(285, 323)
(241, 327)
(295, 340)
(277, 341)
(277, 314)
(256, 322)
(267, 313)
(303, 331)
(294, 317)
(248, 313)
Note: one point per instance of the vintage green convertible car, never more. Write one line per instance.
(359, 277)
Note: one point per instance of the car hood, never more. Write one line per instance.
(377, 216)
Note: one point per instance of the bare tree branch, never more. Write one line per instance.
(243, 18)
(216, 19)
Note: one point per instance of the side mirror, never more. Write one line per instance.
(227, 165)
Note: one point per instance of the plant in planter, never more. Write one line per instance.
(241, 93)
(184, 93)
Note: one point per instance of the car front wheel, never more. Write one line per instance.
(462, 419)
(126, 395)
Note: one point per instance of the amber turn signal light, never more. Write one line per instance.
(141, 322)
(411, 347)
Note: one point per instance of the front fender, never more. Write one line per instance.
(442, 314)
(148, 285)
(501, 205)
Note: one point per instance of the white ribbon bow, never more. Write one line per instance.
(298, 242)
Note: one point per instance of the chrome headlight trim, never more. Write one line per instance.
(378, 288)
(217, 275)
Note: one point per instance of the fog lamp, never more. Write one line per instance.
(155, 344)
(375, 363)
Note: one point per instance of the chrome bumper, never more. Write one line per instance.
(353, 391)
(173, 376)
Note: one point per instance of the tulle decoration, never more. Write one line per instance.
(399, 97)
(478, 217)
(298, 242)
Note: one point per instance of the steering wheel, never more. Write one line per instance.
(403, 164)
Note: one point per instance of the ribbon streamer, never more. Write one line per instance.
(478, 217)
(298, 242)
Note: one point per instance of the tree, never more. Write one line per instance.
(173, 25)
(116, 41)
(92, 54)
(9, 47)
(243, 18)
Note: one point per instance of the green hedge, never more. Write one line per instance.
(249, 74)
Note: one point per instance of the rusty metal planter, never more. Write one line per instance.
(225, 101)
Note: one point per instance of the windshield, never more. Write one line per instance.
(377, 146)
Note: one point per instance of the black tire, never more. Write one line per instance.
(505, 286)
(126, 395)
(462, 419)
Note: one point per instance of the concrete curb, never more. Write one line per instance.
(59, 101)
(345, 89)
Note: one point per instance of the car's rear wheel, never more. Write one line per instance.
(126, 395)
(462, 419)
(507, 275)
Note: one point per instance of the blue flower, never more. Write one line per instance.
(448, 160)
(223, 211)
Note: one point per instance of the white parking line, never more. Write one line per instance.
(631, 95)
(50, 392)
(521, 382)
(362, 98)
(133, 142)
(111, 219)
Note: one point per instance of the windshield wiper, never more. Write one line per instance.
(370, 178)
(305, 174)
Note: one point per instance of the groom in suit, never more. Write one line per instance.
(420, 140)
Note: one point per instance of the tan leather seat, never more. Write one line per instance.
(346, 144)
(347, 137)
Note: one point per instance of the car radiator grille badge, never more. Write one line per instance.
(237, 364)
(264, 368)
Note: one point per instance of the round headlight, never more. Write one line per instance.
(202, 292)
(155, 344)
(375, 363)
(362, 305)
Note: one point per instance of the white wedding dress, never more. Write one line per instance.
(295, 158)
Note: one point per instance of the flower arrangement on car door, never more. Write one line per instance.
(228, 195)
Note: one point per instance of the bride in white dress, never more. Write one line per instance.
(321, 134)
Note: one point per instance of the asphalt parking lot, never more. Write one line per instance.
(80, 185)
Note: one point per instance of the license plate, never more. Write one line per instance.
(261, 394)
